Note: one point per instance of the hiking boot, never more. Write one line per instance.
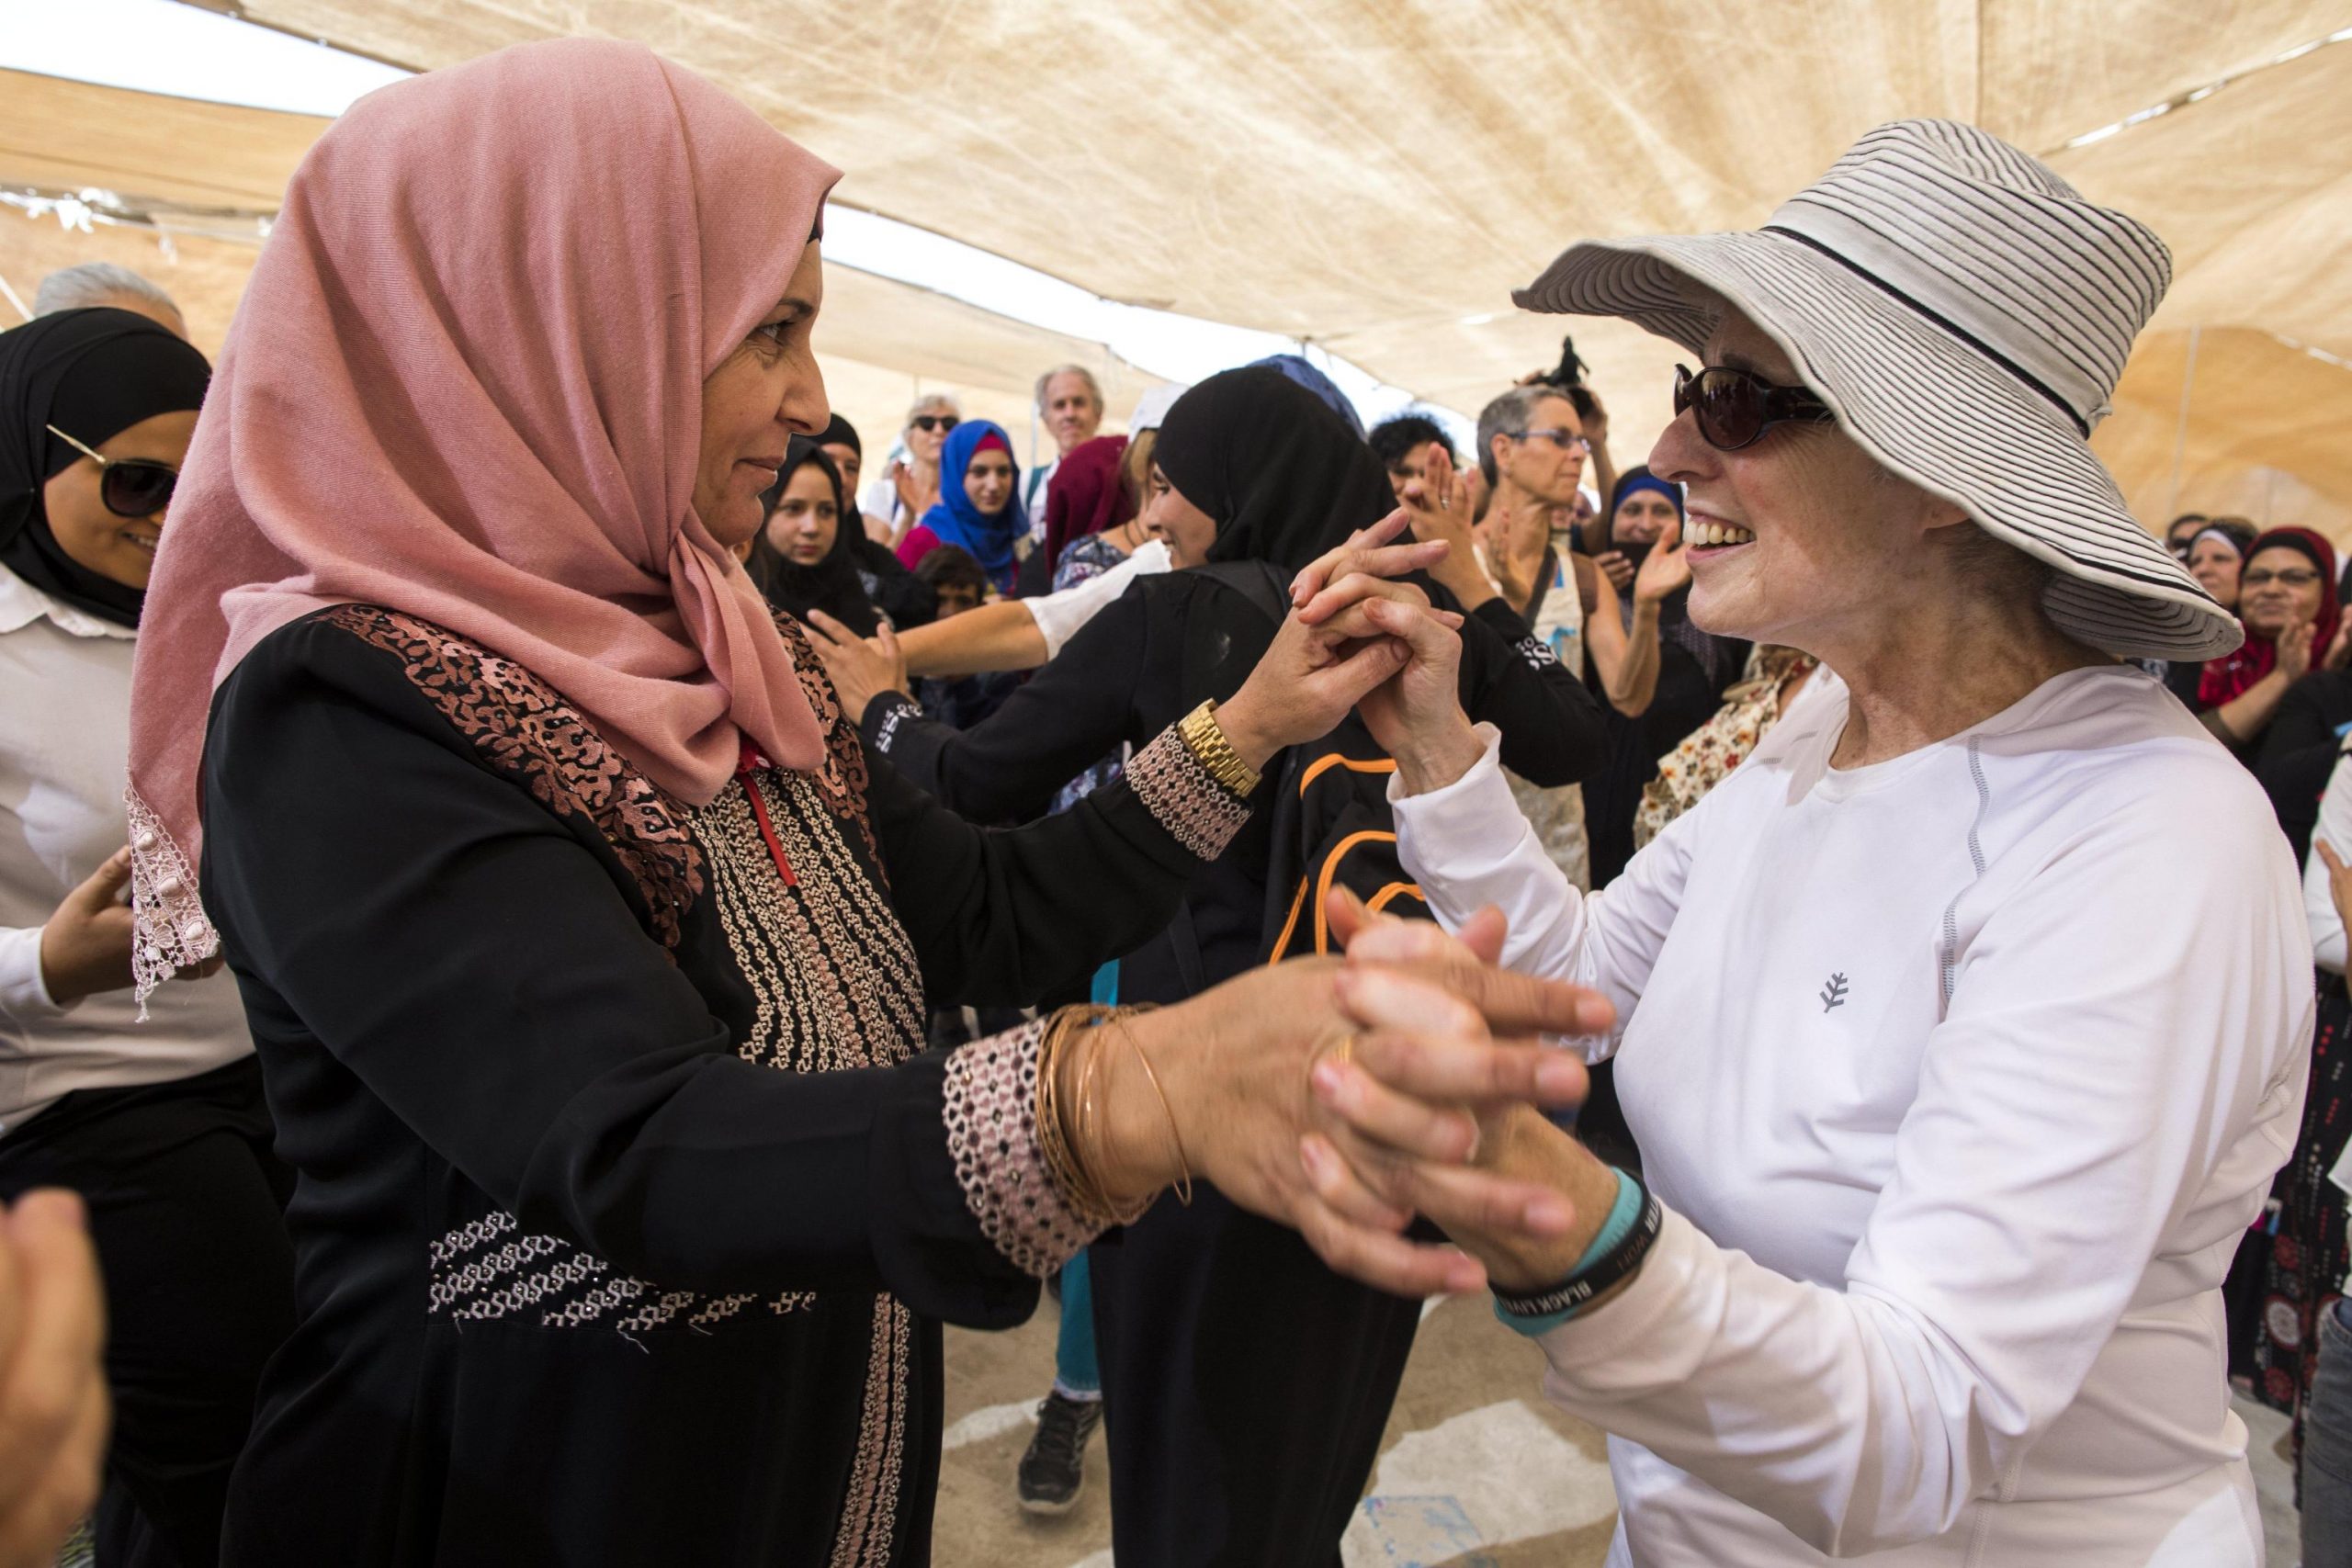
(1054, 1467)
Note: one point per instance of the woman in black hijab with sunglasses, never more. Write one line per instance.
(158, 1123)
(1246, 1385)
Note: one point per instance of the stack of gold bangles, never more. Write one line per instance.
(1071, 1145)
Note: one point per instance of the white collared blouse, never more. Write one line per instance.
(64, 749)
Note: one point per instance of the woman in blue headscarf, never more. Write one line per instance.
(979, 509)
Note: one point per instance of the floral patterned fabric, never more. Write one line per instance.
(1709, 754)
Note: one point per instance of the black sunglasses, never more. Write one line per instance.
(929, 421)
(131, 487)
(1733, 409)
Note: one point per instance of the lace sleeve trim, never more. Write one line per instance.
(169, 930)
(991, 1119)
(1185, 799)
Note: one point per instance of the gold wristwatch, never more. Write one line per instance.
(1204, 738)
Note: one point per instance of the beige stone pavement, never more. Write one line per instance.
(1477, 1469)
(1470, 1428)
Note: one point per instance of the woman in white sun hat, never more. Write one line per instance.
(1952, 1111)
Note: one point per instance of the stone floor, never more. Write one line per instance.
(1476, 1471)
(2274, 1480)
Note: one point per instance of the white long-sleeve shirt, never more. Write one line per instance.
(1960, 1075)
(2319, 906)
(65, 751)
(1063, 613)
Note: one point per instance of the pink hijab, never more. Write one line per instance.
(465, 383)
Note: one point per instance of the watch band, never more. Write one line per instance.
(1205, 738)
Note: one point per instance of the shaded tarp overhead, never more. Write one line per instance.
(880, 341)
(1378, 177)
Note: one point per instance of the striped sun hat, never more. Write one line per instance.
(1965, 313)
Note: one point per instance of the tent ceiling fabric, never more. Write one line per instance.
(1372, 177)
(68, 135)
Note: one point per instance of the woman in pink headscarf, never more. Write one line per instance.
(564, 903)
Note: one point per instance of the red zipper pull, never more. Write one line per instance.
(748, 763)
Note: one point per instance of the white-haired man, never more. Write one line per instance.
(103, 283)
(1070, 402)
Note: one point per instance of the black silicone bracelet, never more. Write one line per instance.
(1570, 1295)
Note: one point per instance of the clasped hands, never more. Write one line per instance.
(1358, 636)
(1344, 1096)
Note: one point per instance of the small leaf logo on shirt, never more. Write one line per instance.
(1833, 995)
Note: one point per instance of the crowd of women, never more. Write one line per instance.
(560, 935)
(2282, 703)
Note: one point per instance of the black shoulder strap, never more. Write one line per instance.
(1259, 583)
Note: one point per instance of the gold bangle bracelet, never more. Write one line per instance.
(1175, 1136)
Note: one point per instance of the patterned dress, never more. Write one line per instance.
(628, 1210)
(1081, 559)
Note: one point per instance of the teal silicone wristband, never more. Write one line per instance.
(1625, 1211)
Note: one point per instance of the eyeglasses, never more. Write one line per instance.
(1565, 440)
(2293, 577)
(1733, 409)
(129, 487)
(942, 423)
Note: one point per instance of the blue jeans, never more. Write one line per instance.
(2327, 1446)
(1075, 1368)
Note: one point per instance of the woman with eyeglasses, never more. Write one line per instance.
(897, 499)
(2287, 603)
(1958, 1067)
(160, 1123)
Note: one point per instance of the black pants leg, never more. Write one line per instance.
(1245, 1389)
(186, 1207)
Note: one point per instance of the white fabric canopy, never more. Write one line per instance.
(1377, 178)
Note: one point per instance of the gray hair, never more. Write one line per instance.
(95, 283)
(1508, 415)
(1093, 387)
(932, 400)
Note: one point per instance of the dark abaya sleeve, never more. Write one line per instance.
(481, 962)
(1006, 916)
(2298, 752)
(1553, 732)
(1063, 720)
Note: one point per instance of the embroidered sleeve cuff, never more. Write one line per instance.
(992, 1117)
(883, 717)
(1199, 812)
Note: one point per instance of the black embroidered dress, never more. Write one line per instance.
(627, 1210)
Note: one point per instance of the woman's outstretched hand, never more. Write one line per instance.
(1485, 1201)
(862, 668)
(1242, 1063)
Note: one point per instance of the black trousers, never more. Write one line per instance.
(186, 1206)
(1245, 1389)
